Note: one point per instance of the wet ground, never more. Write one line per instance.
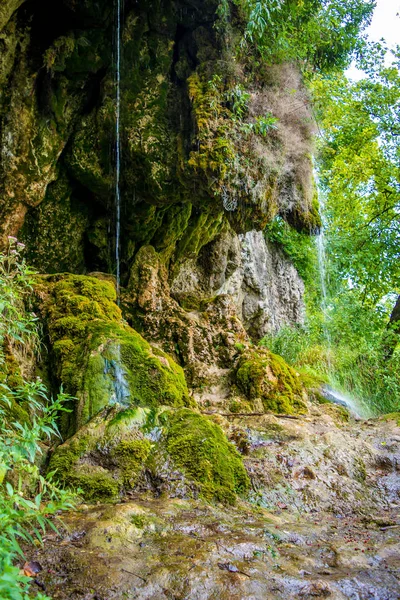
(322, 521)
(188, 550)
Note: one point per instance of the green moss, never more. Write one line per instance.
(240, 406)
(395, 416)
(172, 228)
(199, 447)
(11, 370)
(98, 357)
(105, 457)
(54, 231)
(66, 456)
(96, 486)
(139, 521)
(88, 156)
(359, 470)
(266, 376)
(201, 230)
(13, 411)
(130, 457)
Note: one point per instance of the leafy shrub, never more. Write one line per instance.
(320, 34)
(27, 499)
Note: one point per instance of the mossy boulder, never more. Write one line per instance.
(97, 357)
(121, 449)
(200, 449)
(266, 377)
(104, 458)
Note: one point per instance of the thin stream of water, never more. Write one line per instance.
(121, 394)
(118, 148)
(321, 251)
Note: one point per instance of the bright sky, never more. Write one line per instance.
(385, 24)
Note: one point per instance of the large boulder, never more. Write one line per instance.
(97, 357)
(178, 452)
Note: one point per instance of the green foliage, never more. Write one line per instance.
(261, 126)
(320, 34)
(28, 501)
(358, 171)
(239, 100)
(299, 247)
(345, 351)
(16, 281)
(357, 166)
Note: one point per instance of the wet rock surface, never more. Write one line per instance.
(334, 534)
(179, 549)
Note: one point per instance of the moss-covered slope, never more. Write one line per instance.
(97, 357)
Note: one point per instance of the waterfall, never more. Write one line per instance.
(121, 393)
(321, 252)
(357, 407)
(118, 146)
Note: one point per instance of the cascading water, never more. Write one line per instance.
(357, 408)
(118, 145)
(321, 252)
(121, 393)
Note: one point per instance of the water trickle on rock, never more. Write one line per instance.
(118, 145)
(121, 393)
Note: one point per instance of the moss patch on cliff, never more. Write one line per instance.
(54, 231)
(265, 376)
(97, 357)
(199, 447)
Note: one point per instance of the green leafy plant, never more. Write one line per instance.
(28, 500)
(261, 126)
(239, 100)
(318, 34)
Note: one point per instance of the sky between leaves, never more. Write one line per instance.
(385, 24)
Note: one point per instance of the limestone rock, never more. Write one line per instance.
(262, 283)
(272, 289)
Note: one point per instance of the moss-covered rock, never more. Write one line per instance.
(6, 10)
(262, 375)
(199, 447)
(97, 357)
(120, 449)
(54, 231)
(104, 458)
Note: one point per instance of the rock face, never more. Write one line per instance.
(199, 182)
(272, 289)
(263, 284)
(183, 177)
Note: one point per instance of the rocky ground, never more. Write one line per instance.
(322, 522)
